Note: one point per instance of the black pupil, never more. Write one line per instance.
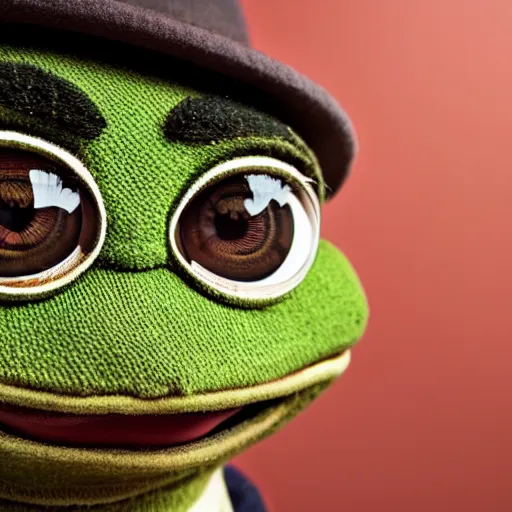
(14, 218)
(229, 228)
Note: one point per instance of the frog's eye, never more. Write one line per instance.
(52, 219)
(249, 228)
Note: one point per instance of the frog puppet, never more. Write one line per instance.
(165, 298)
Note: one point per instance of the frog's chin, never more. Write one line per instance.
(190, 423)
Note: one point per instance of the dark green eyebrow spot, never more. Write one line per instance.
(203, 120)
(37, 94)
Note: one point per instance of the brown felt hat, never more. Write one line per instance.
(213, 35)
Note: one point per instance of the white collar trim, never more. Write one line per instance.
(215, 497)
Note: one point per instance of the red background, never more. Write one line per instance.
(423, 418)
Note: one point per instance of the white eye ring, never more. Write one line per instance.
(66, 271)
(306, 215)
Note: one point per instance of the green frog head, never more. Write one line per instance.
(165, 298)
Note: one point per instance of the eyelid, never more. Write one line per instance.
(36, 128)
(303, 167)
(304, 164)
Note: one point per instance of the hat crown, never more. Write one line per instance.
(224, 17)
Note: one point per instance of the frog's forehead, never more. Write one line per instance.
(144, 159)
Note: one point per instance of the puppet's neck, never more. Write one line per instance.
(215, 497)
(205, 493)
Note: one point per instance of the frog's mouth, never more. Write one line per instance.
(112, 430)
(165, 423)
(103, 449)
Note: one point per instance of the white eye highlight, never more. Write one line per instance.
(264, 189)
(248, 229)
(48, 191)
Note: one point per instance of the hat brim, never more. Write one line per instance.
(291, 97)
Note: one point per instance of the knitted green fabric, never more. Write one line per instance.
(133, 325)
(155, 329)
(175, 498)
(155, 332)
(142, 175)
(39, 474)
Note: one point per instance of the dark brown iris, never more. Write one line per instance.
(33, 240)
(217, 232)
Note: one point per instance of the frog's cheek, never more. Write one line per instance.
(150, 335)
(145, 344)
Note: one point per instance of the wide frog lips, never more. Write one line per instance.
(157, 424)
(113, 430)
